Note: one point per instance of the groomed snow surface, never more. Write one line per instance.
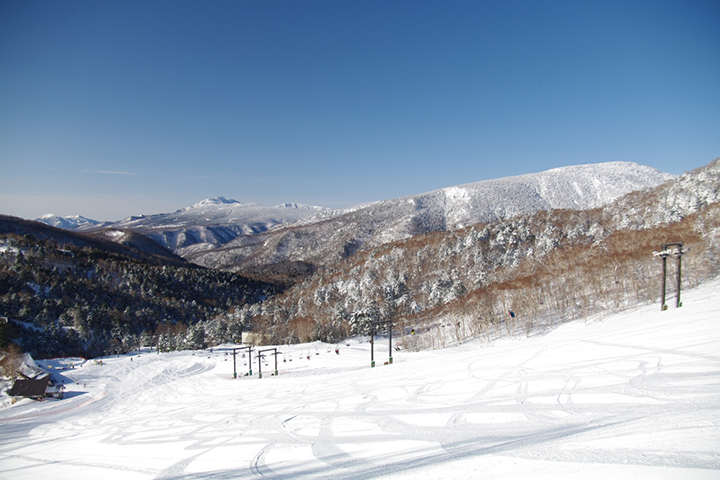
(635, 395)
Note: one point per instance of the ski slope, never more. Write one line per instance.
(634, 395)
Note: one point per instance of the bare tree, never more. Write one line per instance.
(11, 361)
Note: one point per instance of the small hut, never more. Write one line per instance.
(33, 382)
(34, 388)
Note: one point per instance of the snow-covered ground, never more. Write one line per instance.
(636, 395)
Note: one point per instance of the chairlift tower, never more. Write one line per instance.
(249, 351)
(260, 355)
(676, 250)
(373, 327)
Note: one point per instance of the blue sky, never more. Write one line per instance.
(109, 109)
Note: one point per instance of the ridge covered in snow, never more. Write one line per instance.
(197, 231)
(211, 201)
(221, 211)
(71, 222)
(212, 222)
(326, 238)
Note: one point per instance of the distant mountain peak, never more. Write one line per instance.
(298, 206)
(215, 201)
(70, 222)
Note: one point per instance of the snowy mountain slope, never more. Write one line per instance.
(72, 222)
(671, 202)
(471, 275)
(126, 243)
(132, 239)
(213, 222)
(328, 240)
(632, 395)
(575, 187)
(220, 210)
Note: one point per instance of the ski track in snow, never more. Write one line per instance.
(636, 395)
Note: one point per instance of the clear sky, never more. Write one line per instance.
(113, 108)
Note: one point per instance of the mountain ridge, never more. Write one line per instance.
(71, 222)
(324, 239)
(247, 237)
(127, 243)
(548, 266)
(213, 221)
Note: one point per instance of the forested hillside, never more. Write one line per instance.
(62, 299)
(69, 294)
(546, 267)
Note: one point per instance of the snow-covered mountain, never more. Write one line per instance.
(323, 238)
(248, 217)
(575, 187)
(72, 222)
(222, 233)
(213, 222)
